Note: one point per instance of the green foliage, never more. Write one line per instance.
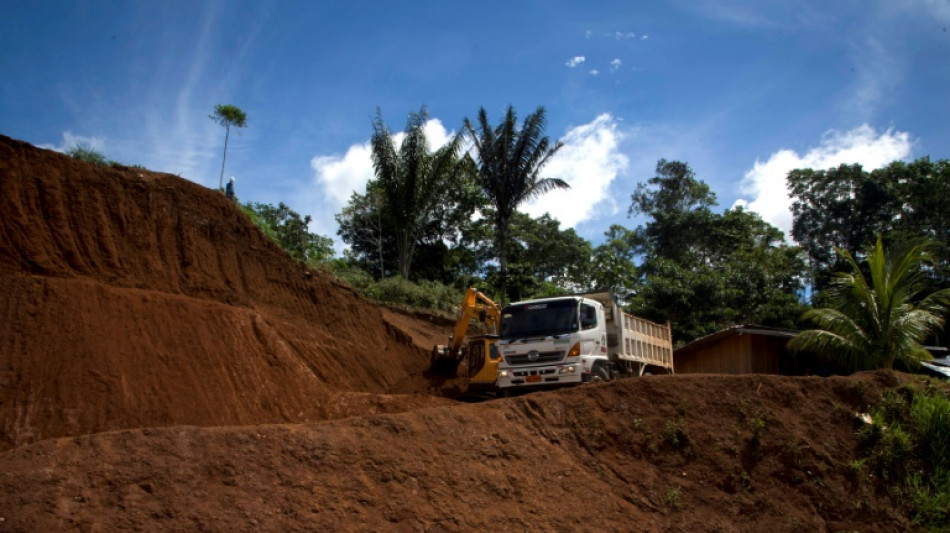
(227, 115)
(510, 160)
(351, 274)
(847, 207)
(418, 209)
(612, 265)
(874, 322)
(423, 295)
(676, 433)
(371, 241)
(674, 498)
(907, 445)
(704, 271)
(87, 154)
(757, 429)
(412, 181)
(289, 230)
(544, 260)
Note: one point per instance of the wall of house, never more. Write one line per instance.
(738, 354)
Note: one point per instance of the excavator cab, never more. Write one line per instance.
(482, 361)
(482, 367)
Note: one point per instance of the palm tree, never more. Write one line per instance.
(872, 325)
(412, 179)
(509, 169)
(227, 116)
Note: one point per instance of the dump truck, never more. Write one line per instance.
(575, 339)
(481, 370)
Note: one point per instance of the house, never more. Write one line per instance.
(753, 349)
(745, 349)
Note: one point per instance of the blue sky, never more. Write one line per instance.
(741, 90)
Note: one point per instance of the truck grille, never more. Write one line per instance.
(543, 357)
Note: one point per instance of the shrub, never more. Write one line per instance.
(424, 295)
(87, 154)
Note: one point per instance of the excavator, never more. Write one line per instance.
(480, 350)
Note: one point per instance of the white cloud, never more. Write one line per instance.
(615, 65)
(621, 35)
(339, 176)
(644, 37)
(765, 182)
(71, 140)
(587, 34)
(574, 61)
(589, 161)
(594, 72)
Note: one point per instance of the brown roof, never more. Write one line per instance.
(744, 329)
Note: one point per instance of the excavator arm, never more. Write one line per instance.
(445, 358)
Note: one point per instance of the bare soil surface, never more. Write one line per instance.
(163, 366)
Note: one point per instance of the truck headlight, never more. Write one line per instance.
(503, 374)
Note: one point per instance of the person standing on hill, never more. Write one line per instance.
(229, 189)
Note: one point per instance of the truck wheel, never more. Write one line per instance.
(599, 374)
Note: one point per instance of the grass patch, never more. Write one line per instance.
(674, 498)
(907, 444)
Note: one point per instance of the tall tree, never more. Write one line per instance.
(703, 270)
(411, 178)
(510, 160)
(227, 115)
(874, 322)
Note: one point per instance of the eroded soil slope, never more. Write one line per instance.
(664, 453)
(131, 299)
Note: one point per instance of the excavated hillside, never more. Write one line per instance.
(130, 298)
(163, 366)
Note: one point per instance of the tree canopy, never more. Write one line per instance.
(703, 270)
(846, 207)
(227, 115)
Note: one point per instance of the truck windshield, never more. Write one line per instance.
(539, 319)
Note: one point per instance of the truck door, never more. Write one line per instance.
(589, 329)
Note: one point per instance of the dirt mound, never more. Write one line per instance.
(671, 453)
(130, 298)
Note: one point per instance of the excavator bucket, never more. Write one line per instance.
(442, 363)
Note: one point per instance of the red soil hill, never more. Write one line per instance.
(750, 453)
(130, 298)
